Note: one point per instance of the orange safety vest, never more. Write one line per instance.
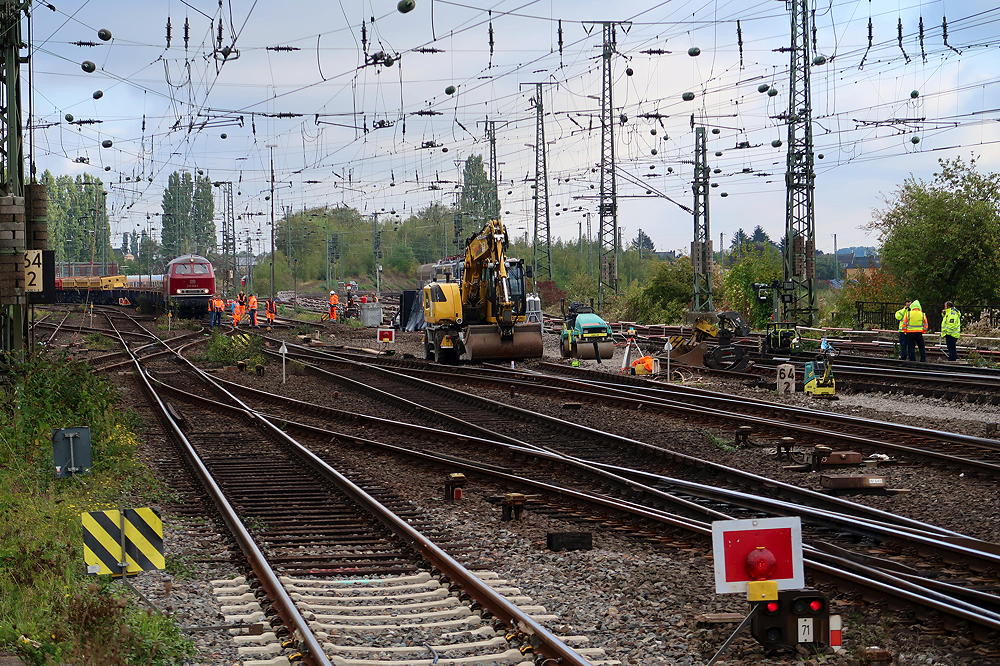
(646, 361)
(334, 299)
(218, 305)
(270, 307)
(252, 302)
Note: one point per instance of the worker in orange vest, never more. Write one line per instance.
(215, 307)
(252, 306)
(237, 313)
(334, 302)
(270, 311)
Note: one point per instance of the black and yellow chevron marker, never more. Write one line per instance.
(102, 540)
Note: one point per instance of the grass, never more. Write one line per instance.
(227, 350)
(99, 341)
(723, 444)
(50, 611)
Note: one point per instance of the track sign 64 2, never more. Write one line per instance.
(33, 270)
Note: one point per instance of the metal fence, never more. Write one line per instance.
(875, 314)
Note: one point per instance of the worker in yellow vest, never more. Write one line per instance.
(900, 313)
(915, 325)
(951, 328)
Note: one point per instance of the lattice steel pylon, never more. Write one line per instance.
(607, 207)
(228, 235)
(701, 246)
(798, 294)
(494, 175)
(13, 307)
(542, 246)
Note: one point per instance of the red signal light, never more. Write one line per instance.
(761, 563)
(816, 605)
(772, 606)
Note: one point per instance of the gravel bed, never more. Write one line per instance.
(950, 499)
(624, 594)
(640, 601)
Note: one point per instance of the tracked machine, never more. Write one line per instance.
(482, 315)
(719, 328)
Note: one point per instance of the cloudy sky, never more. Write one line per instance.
(306, 78)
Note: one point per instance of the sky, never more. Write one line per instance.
(303, 81)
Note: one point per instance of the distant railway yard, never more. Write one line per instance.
(339, 500)
(499, 333)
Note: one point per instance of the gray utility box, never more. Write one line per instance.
(371, 315)
(71, 451)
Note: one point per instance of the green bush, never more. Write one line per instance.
(50, 611)
(228, 350)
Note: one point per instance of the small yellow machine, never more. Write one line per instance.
(481, 316)
(818, 378)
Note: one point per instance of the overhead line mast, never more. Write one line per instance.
(607, 208)
(701, 246)
(542, 244)
(798, 293)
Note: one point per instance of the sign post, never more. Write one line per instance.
(668, 347)
(284, 352)
(762, 558)
(33, 271)
(786, 378)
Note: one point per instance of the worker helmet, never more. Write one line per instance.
(331, 293)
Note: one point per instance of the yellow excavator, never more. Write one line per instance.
(482, 316)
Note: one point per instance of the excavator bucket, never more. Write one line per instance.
(591, 350)
(694, 356)
(483, 342)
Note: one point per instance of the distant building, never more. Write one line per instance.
(853, 265)
(669, 255)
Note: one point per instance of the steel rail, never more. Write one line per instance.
(948, 542)
(828, 564)
(820, 515)
(555, 422)
(543, 640)
(312, 650)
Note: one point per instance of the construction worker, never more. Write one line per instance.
(241, 298)
(215, 306)
(915, 325)
(211, 311)
(270, 311)
(237, 313)
(900, 313)
(334, 302)
(252, 307)
(951, 328)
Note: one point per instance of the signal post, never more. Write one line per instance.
(762, 558)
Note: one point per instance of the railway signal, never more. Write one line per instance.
(762, 557)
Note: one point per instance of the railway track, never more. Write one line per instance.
(699, 501)
(770, 421)
(302, 526)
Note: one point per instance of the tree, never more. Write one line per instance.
(758, 264)
(642, 243)
(188, 212)
(759, 236)
(479, 201)
(941, 239)
(739, 242)
(666, 296)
